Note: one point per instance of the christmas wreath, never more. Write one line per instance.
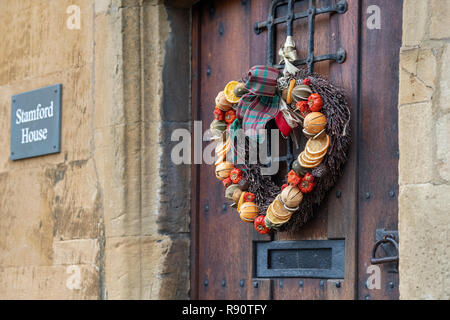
(299, 103)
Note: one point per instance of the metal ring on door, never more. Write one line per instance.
(387, 239)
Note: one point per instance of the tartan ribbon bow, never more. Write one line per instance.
(261, 103)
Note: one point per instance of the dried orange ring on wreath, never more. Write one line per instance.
(317, 146)
(229, 92)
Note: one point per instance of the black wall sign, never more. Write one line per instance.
(36, 123)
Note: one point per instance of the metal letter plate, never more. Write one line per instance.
(301, 259)
(42, 109)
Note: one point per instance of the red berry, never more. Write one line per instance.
(284, 186)
(307, 81)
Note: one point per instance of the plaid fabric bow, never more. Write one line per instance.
(261, 104)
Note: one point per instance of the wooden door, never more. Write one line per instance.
(225, 46)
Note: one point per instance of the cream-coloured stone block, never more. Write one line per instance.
(440, 19)
(422, 64)
(16, 44)
(412, 89)
(415, 142)
(118, 76)
(108, 93)
(443, 146)
(102, 6)
(133, 266)
(54, 45)
(77, 201)
(36, 40)
(445, 79)
(120, 166)
(424, 231)
(49, 283)
(26, 223)
(415, 14)
(73, 252)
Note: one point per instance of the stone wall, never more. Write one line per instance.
(108, 217)
(424, 138)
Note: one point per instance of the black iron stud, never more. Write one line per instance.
(391, 193)
(221, 29)
(224, 282)
(280, 283)
(322, 284)
(367, 195)
(242, 283)
(206, 282)
(208, 71)
(301, 283)
(224, 207)
(338, 284)
(338, 194)
(212, 12)
(391, 285)
(255, 284)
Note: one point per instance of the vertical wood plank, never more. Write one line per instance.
(195, 108)
(224, 240)
(378, 144)
(258, 11)
(342, 199)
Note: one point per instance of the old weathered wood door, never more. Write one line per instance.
(224, 250)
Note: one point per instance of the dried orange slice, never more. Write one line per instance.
(305, 160)
(229, 92)
(219, 160)
(317, 146)
(223, 147)
(314, 157)
(305, 164)
(279, 210)
(272, 218)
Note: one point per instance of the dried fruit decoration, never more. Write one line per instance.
(236, 175)
(260, 225)
(293, 178)
(306, 186)
(308, 177)
(219, 114)
(249, 197)
(315, 102)
(230, 116)
(303, 107)
(227, 182)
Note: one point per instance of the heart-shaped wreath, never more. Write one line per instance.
(300, 100)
